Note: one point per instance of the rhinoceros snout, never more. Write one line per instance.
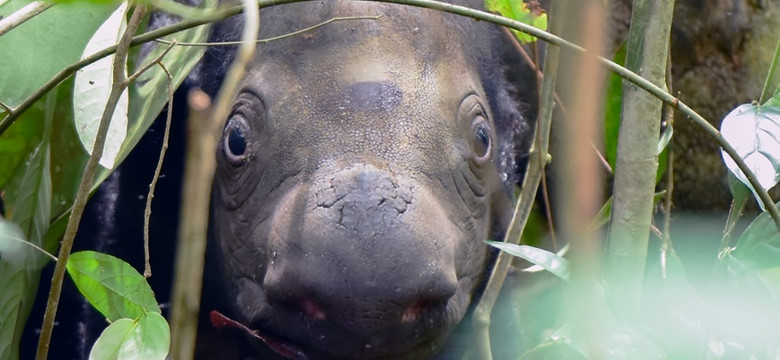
(372, 256)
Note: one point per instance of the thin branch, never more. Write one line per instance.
(199, 174)
(120, 83)
(158, 169)
(266, 40)
(26, 13)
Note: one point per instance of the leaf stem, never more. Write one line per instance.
(120, 83)
(768, 82)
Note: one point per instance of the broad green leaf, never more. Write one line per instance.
(547, 260)
(520, 11)
(754, 132)
(148, 338)
(759, 245)
(19, 283)
(111, 285)
(44, 45)
(93, 84)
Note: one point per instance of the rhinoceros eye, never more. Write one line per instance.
(481, 142)
(235, 144)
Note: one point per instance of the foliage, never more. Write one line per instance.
(123, 296)
(754, 131)
(43, 152)
(526, 13)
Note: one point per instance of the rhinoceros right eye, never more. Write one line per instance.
(235, 144)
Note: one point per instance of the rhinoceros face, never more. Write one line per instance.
(357, 182)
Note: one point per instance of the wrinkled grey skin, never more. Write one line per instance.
(362, 167)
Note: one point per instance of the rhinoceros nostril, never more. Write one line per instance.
(419, 309)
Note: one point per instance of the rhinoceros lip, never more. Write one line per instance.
(284, 348)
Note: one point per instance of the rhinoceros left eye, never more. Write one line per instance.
(481, 143)
(234, 143)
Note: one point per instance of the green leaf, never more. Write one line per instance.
(754, 132)
(93, 84)
(759, 245)
(549, 261)
(520, 11)
(44, 45)
(148, 338)
(19, 273)
(111, 285)
(612, 107)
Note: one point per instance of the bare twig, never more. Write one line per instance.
(119, 85)
(199, 172)
(26, 13)
(263, 41)
(158, 169)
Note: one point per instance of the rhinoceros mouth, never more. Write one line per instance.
(373, 347)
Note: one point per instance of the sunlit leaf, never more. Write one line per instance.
(111, 285)
(93, 84)
(547, 260)
(148, 338)
(522, 12)
(754, 132)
